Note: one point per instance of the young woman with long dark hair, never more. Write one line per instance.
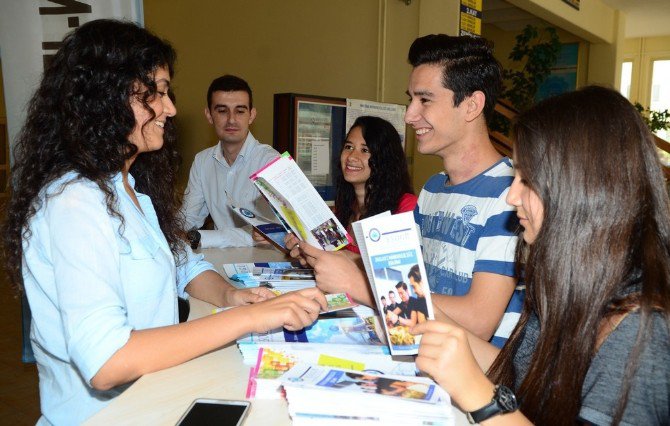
(373, 176)
(593, 342)
(93, 234)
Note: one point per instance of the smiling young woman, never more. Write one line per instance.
(94, 236)
(592, 345)
(373, 175)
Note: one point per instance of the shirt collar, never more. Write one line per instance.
(247, 146)
(118, 179)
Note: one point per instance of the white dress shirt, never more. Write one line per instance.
(211, 178)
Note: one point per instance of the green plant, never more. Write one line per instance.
(534, 54)
(656, 120)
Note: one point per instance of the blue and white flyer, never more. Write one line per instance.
(391, 252)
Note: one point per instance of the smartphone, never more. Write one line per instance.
(219, 412)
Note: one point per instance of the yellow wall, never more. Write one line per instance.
(344, 48)
(3, 111)
(642, 52)
(596, 23)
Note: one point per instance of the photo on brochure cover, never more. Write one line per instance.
(369, 383)
(329, 236)
(402, 300)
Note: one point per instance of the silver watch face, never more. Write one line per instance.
(506, 399)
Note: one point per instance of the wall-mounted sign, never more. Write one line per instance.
(573, 3)
(471, 18)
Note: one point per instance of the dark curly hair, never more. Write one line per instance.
(79, 120)
(389, 178)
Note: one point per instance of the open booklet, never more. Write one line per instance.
(299, 205)
(391, 253)
(273, 232)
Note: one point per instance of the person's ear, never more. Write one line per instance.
(475, 105)
(252, 115)
(208, 115)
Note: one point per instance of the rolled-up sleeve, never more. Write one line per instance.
(190, 266)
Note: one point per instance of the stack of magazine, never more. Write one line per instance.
(323, 395)
(282, 276)
(276, 359)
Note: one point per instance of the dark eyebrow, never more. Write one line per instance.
(233, 107)
(420, 93)
(424, 93)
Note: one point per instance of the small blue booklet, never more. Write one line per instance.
(273, 232)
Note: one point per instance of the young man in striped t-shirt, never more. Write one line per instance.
(467, 228)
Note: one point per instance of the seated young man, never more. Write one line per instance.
(467, 229)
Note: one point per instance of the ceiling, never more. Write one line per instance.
(644, 18)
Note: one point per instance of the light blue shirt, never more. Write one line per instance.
(89, 282)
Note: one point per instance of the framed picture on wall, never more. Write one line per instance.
(311, 128)
(563, 77)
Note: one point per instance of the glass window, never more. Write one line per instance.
(626, 76)
(660, 91)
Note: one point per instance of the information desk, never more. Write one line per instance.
(161, 398)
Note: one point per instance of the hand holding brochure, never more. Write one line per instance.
(391, 253)
(299, 205)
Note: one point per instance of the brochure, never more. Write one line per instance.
(252, 274)
(391, 253)
(323, 395)
(345, 330)
(402, 387)
(273, 232)
(273, 362)
(299, 205)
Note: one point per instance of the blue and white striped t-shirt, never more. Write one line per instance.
(469, 228)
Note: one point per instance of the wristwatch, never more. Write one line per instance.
(504, 401)
(194, 238)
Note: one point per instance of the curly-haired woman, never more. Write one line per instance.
(94, 237)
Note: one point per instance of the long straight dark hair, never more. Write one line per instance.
(603, 248)
(389, 178)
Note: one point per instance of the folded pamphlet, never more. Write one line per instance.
(273, 232)
(391, 252)
(299, 205)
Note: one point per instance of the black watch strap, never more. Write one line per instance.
(504, 401)
(193, 238)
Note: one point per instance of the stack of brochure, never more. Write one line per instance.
(276, 359)
(298, 206)
(322, 395)
(282, 276)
